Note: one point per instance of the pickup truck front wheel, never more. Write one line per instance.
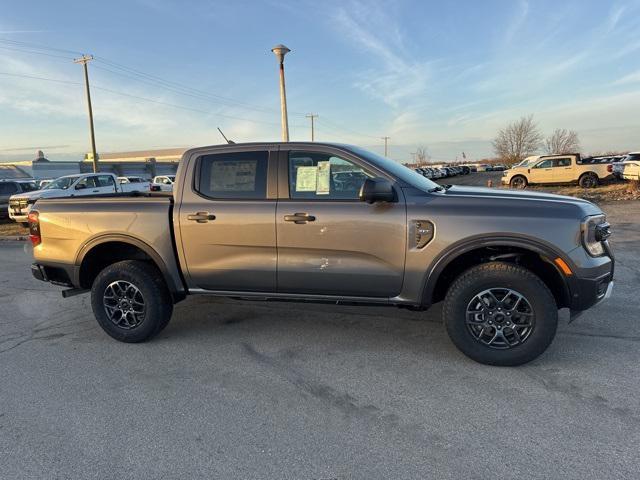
(500, 314)
(518, 182)
(130, 301)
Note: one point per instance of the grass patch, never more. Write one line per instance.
(602, 193)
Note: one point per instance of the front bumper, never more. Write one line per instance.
(592, 286)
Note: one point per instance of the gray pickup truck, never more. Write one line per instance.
(330, 223)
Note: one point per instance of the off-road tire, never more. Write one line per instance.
(588, 180)
(514, 182)
(157, 299)
(500, 275)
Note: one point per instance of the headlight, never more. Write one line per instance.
(594, 231)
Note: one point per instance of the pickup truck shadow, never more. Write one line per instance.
(311, 327)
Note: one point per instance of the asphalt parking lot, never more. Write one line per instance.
(254, 390)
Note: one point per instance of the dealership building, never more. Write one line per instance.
(143, 163)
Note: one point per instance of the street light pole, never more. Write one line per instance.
(84, 60)
(280, 51)
(386, 139)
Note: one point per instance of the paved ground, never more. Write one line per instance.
(477, 179)
(291, 391)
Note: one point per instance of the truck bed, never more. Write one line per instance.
(71, 226)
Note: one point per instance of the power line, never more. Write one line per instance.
(338, 127)
(145, 99)
(38, 47)
(34, 52)
(175, 87)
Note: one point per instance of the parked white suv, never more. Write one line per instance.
(630, 166)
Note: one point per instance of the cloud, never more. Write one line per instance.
(516, 22)
(627, 79)
(396, 77)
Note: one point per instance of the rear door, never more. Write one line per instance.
(227, 221)
(564, 170)
(106, 184)
(86, 186)
(329, 242)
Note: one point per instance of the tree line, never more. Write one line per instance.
(522, 138)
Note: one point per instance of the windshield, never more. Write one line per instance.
(28, 186)
(396, 169)
(172, 178)
(61, 183)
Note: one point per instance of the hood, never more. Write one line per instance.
(512, 194)
(520, 202)
(36, 194)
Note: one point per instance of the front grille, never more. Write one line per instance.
(18, 205)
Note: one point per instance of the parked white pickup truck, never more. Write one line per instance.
(133, 184)
(69, 186)
(163, 183)
(549, 169)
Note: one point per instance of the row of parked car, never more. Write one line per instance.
(433, 173)
(18, 195)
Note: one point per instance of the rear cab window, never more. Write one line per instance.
(232, 175)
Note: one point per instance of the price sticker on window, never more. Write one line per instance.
(323, 186)
(306, 179)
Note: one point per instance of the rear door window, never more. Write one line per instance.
(234, 175)
(8, 188)
(105, 181)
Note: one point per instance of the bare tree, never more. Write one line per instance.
(421, 155)
(518, 140)
(562, 141)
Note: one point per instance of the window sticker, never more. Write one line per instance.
(324, 178)
(232, 176)
(306, 179)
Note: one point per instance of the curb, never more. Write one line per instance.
(14, 238)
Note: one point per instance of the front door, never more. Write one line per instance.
(227, 222)
(329, 242)
(542, 172)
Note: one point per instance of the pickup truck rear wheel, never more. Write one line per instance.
(500, 314)
(131, 301)
(588, 180)
(518, 182)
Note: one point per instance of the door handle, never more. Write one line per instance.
(299, 218)
(201, 217)
(96, 191)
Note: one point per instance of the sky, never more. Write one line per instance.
(444, 76)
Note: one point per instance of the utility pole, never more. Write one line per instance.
(312, 116)
(84, 60)
(385, 144)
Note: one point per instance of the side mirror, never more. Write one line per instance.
(377, 190)
(80, 186)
